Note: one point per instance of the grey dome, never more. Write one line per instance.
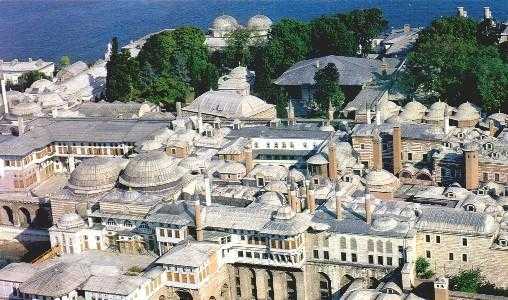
(70, 220)
(95, 175)
(271, 198)
(259, 23)
(224, 23)
(284, 213)
(151, 170)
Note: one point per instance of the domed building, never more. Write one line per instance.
(259, 25)
(26, 109)
(95, 175)
(382, 184)
(223, 25)
(232, 171)
(152, 171)
(414, 111)
(436, 113)
(69, 221)
(50, 100)
(467, 115)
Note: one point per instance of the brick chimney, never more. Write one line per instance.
(311, 197)
(377, 153)
(471, 167)
(487, 14)
(293, 200)
(332, 160)
(338, 205)
(197, 217)
(291, 114)
(368, 209)
(21, 126)
(247, 156)
(397, 149)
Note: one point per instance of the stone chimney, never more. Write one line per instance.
(461, 12)
(178, 109)
(378, 116)
(311, 197)
(441, 289)
(377, 153)
(397, 149)
(208, 190)
(197, 217)
(291, 114)
(487, 14)
(446, 121)
(369, 117)
(247, 156)
(338, 205)
(332, 160)
(368, 209)
(3, 81)
(21, 126)
(471, 167)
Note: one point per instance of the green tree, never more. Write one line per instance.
(468, 281)
(491, 76)
(64, 61)
(366, 24)
(331, 37)
(166, 90)
(327, 88)
(422, 268)
(487, 33)
(238, 49)
(121, 72)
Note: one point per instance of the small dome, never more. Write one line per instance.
(232, 167)
(149, 145)
(259, 23)
(466, 111)
(317, 159)
(388, 109)
(194, 163)
(284, 213)
(277, 186)
(271, 198)
(151, 170)
(48, 100)
(437, 111)
(40, 86)
(224, 23)
(413, 111)
(384, 223)
(70, 220)
(296, 175)
(396, 119)
(380, 178)
(24, 109)
(95, 175)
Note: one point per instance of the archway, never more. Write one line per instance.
(162, 297)
(345, 282)
(423, 176)
(405, 174)
(7, 217)
(25, 218)
(325, 287)
(184, 295)
(224, 292)
(373, 282)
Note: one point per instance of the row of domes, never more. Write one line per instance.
(414, 111)
(228, 23)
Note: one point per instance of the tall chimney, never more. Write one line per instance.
(21, 126)
(4, 94)
(492, 128)
(178, 109)
(247, 156)
(293, 200)
(446, 121)
(368, 209)
(471, 166)
(377, 153)
(397, 149)
(369, 117)
(208, 190)
(311, 197)
(378, 116)
(487, 14)
(332, 160)
(197, 217)
(441, 288)
(331, 111)
(291, 114)
(338, 205)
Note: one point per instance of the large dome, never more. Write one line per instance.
(95, 175)
(151, 170)
(224, 23)
(380, 178)
(40, 86)
(466, 111)
(259, 23)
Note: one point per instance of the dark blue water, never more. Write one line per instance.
(81, 28)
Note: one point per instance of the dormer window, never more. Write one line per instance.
(503, 243)
(460, 135)
(260, 181)
(111, 222)
(316, 181)
(489, 146)
(494, 155)
(470, 207)
(450, 195)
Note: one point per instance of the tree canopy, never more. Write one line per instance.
(26, 80)
(327, 89)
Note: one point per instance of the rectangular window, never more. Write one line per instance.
(371, 259)
(485, 176)
(161, 232)
(438, 239)
(362, 146)
(240, 253)
(380, 260)
(464, 257)
(389, 261)
(354, 258)
(326, 255)
(427, 254)
(410, 156)
(248, 254)
(427, 238)
(464, 241)
(450, 256)
(343, 256)
(496, 177)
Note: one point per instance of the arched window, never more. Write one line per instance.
(343, 242)
(127, 223)
(470, 207)
(7, 217)
(25, 217)
(352, 243)
(143, 225)
(370, 245)
(111, 222)
(325, 290)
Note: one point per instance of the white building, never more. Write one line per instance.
(13, 69)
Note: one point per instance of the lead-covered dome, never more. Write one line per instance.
(259, 23)
(70, 220)
(152, 170)
(224, 23)
(95, 175)
(380, 180)
(467, 112)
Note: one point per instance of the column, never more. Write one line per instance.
(245, 283)
(279, 285)
(300, 285)
(261, 284)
